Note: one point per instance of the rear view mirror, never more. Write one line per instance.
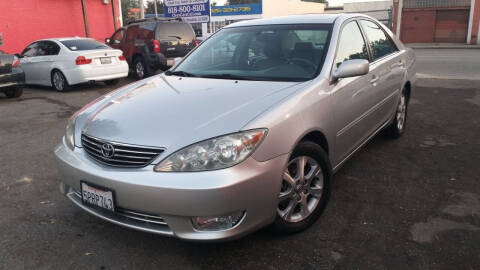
(352, 68)
(107, 40)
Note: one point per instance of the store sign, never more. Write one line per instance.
(247, 9)
(192, 11)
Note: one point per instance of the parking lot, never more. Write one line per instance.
(412, 203)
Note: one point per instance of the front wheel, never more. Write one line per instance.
(305, 189)
(397, 127)
(14, 92)
(59, 82)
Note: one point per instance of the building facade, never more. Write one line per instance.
(437, 21)
(22, 22)
(224, 15)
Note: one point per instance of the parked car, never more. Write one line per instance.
(62, 62)
(224, 144)
(153, 44)
(12, 77)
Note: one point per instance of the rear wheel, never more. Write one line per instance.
(397, 127)
(305, 189)
(13, 92)
(139, 68)
(59, 82)
(112, 82)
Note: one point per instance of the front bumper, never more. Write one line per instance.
(175, 198)
(14, 78)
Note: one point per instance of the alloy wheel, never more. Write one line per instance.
(58, 81)
(302, 189)
(140, 69)
(401, 112)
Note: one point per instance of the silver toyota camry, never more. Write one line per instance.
(244, 132)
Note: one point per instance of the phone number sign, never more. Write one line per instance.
(192, 11)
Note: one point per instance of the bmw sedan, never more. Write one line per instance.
(245, 132)
(63, 62)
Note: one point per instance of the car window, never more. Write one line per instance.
(132, 33)
(380, 43)
(275, 53)
(30, 50)
(118, 36)
(177, 29)
(50, 48)
(83, 44)
(351, 44)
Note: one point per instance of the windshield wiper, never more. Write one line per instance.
(229, 77)
(180, 73)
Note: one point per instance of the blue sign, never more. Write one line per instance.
(192, 11)
(247, 9)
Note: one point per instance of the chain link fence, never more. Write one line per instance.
(435, 3)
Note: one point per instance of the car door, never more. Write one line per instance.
(387, 70)
(354, 97)
(28, 54)
(117, 39)
(128, 46)
(44, 62)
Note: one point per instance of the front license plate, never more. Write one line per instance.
(106, 60)
(98, 196)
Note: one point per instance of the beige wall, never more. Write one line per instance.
(274, 8)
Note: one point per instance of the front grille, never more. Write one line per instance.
(119, 154)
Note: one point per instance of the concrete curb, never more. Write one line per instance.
(455, 82)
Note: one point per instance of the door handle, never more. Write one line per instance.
(374, 79)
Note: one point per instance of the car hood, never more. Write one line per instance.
(172, 112)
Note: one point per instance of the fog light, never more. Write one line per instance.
(219, 223)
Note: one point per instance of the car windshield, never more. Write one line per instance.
(265, 53)
(83, 44)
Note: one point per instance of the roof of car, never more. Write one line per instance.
(295, 19)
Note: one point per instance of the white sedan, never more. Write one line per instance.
(63, 62)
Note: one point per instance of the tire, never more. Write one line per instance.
(397, 127)
(59, 82)
(139, 68)
(112, 82)
(312, 195)
(13, 92)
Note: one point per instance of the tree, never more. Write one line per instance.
(126, 6)
(151, 8)
(239, 2)
(315, 1)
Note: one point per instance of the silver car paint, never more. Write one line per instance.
(174, 112)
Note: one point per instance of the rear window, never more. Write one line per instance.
(182, 30)
(83, 44)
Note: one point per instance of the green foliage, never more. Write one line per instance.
(151, 7)
(239, 2)
(126, 6)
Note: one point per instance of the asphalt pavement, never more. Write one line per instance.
(411, 203)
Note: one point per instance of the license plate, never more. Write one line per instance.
(97, 196)
(106, 60)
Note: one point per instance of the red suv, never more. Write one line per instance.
(152, 44)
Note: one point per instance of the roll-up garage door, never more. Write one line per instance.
(451, 26)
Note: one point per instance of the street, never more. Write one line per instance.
(411, 203)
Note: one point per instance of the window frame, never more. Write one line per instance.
(116, 32)
(370, 49)
(57, 47)
(31, 44)
(339, 39)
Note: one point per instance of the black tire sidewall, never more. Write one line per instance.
(316, 152)
(13, 92)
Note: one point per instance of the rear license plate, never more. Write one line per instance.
(97, 196)
(106, 60)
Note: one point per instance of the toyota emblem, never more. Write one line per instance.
(108, 151)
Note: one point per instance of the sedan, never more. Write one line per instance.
(12, 77)
(245, 132)
(63, 62)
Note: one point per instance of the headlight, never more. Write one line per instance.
(70, 132)
(213, 154)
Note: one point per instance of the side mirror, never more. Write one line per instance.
(107, 40)
(351, 68)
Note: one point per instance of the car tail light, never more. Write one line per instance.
(156, 46)
(122, 58)
(16, 62)
(81, 60)
(196, 42)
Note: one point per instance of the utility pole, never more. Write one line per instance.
(85, 18)
(155, 4)
(142, 9)
(114, 11)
